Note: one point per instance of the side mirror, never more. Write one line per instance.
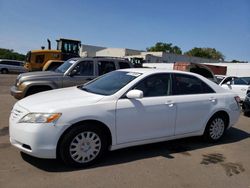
(135, 94)
(228, 83)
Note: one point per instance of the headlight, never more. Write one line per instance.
(40, 118)
(18, 80)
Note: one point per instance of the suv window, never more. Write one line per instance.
(239, 81)
(187, 84)
(123, 65)
(10, 63)
(155, 85)
(85, 68)
(105, 67)
(39, 58)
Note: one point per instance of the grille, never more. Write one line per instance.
(17, 113)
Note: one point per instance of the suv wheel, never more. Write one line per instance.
(82, 146)
(215, 128)
(4, 71)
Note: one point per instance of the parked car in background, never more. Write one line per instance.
(219, 78)
(246, 105)
(52, 65)
(73, 72)
(247, 79)
(121, 109)
(236, 85)
(11, 66)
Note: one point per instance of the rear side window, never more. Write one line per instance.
(124, 65)
(105, 67)
(40, 59)
(187, 84)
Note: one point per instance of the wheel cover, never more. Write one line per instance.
(216, 129)
(85, 147)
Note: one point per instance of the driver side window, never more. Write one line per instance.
(85, 68)
(155, 85)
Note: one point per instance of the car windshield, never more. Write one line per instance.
(110, 83)
(65, 66)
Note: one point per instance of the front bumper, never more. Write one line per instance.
(16, 93)
(39, 140)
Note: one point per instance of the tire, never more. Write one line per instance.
(4, 71)
(82, 146)
(215, 128)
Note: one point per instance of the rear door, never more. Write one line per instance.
(104, 67)
(194, 101)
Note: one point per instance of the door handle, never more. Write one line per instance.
(243, 89)
(170, 103)
(212, 99)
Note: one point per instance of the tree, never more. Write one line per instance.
(165, 47)
(209, 53)
(10, 54)
(235, 61)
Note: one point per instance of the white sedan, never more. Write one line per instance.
(235, 84)
(121, 109)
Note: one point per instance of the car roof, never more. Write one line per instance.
(156, 70)
(101, 58)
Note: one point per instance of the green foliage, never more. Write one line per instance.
(209, 53)
(10, 54)
(235, 61)
(165, 47)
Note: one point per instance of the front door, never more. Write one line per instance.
(84, 73)
(152, 116)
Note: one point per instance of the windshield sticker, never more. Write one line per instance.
(135, 74)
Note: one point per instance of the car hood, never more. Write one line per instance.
(39, 75)
(58, 99)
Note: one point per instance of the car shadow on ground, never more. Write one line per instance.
(164, 149)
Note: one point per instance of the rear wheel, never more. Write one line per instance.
(4, 71)
(82, 146)
(215, 128)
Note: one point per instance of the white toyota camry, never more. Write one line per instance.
(121, 109)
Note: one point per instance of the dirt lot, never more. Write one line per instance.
(181, 163)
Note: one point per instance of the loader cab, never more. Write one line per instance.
(69, 48)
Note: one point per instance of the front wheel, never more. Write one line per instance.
(215, 128)
(83, 146)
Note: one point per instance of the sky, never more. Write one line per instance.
(220, 24)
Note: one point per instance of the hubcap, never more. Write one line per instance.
(85, 147)
(217, 128)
